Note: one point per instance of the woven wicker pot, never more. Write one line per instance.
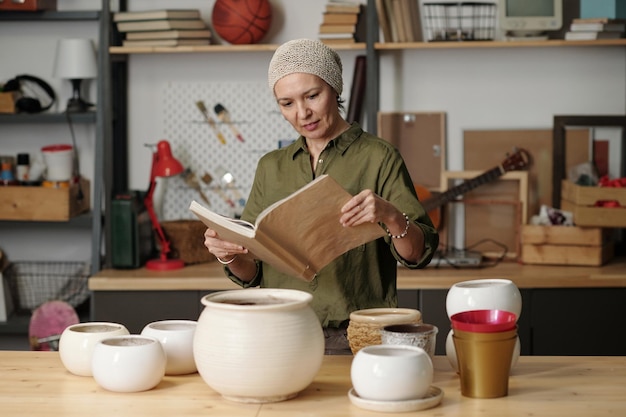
(365, 325)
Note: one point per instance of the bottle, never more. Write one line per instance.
(6, 173)
(23, 167)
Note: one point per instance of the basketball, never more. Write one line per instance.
(241, 21)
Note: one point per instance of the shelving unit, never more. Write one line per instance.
(373, 48)
(18, 324)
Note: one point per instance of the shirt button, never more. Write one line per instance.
(321, 161)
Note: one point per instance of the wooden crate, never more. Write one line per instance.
(580, 200)
(566, 245)
(43, 204)
(7, 101)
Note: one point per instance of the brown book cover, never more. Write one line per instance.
(156, 15)
(292, 242)
(383, 21)
(165, 42)
(170, 34)
(342, 7)
(340, 18)
(165, 24)
(324, 28)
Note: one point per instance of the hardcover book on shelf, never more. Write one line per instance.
(166, 24)
(337, 28)
(170, 34)
(587, 36)
(165, 42)
(340, 18)
(156, 15)
(597, 20)
(344, 36)
(383, 21)
(342, 7)
(296, 244)
(338, 41)
(597, 27)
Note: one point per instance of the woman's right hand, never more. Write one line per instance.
(222, 249)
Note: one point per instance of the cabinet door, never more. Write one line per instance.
(578, 321)
(135, 309)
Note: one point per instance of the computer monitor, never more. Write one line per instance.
(530, 19)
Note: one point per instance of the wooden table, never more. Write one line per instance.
(37, 384)
(210, 276)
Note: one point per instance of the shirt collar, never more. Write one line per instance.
(342, 142)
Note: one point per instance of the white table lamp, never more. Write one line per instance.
(76, 60)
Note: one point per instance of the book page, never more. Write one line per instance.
(306, 224)
(300, 234)
(243, 233)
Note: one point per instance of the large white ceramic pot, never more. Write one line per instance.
(482, 294)
(258, 345)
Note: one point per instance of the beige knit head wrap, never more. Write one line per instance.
(307, 56)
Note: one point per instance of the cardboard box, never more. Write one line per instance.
(566, 245)
(7, 101)
(580, 200)
(28, 5)
(43, 204)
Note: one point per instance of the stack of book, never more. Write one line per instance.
(342, 22)
(595, 28)
(168, 27)
(399, 20)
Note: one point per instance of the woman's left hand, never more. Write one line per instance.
(366, 207)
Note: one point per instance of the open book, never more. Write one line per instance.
(298, 235)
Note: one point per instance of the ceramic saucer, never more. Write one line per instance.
(432, 398)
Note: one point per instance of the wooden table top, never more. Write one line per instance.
(210, 276)
(37, 384)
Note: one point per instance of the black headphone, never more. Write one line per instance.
(30, 104)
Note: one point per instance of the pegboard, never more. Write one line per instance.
(253, 114)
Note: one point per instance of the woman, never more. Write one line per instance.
(305, 77)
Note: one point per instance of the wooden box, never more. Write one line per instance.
(566, 245)
(28, 5)
(580, 200)
(7, 102)
(43, 204)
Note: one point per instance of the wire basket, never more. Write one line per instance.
(459, 21)
(34, 283)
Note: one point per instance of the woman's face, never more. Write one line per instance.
(310, 105)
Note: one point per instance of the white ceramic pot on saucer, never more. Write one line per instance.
(482, 294)
(391, 372)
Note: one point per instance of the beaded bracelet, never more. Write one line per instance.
(230, 261)
(406, 229)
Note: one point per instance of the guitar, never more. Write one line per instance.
(519, 160)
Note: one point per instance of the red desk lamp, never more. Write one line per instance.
(163, 165)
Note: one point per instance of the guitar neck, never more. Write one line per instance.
(466, 186)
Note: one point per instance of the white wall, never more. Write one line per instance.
(478, 89)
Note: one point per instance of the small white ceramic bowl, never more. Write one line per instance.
(78, 340)
(391, 372)
(484, 294)
(129, 363)
(176, 336)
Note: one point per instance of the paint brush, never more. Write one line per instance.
(208, 179)
(224, 117)
(200, 105)
(192, 182)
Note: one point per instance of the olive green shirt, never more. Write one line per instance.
(364, 277)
